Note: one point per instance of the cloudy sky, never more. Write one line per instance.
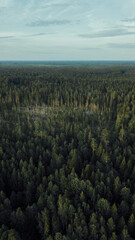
(67, 30)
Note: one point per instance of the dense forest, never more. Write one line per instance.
(67, 153)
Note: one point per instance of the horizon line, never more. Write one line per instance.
(67, 60)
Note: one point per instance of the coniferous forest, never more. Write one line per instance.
(67, 153)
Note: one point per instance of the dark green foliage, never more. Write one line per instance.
(67, 153)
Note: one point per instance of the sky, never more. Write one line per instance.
(67, 30)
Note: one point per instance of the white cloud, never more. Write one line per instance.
(6, 3)
(74, 27)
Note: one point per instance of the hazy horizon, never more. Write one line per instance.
(70, 63)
